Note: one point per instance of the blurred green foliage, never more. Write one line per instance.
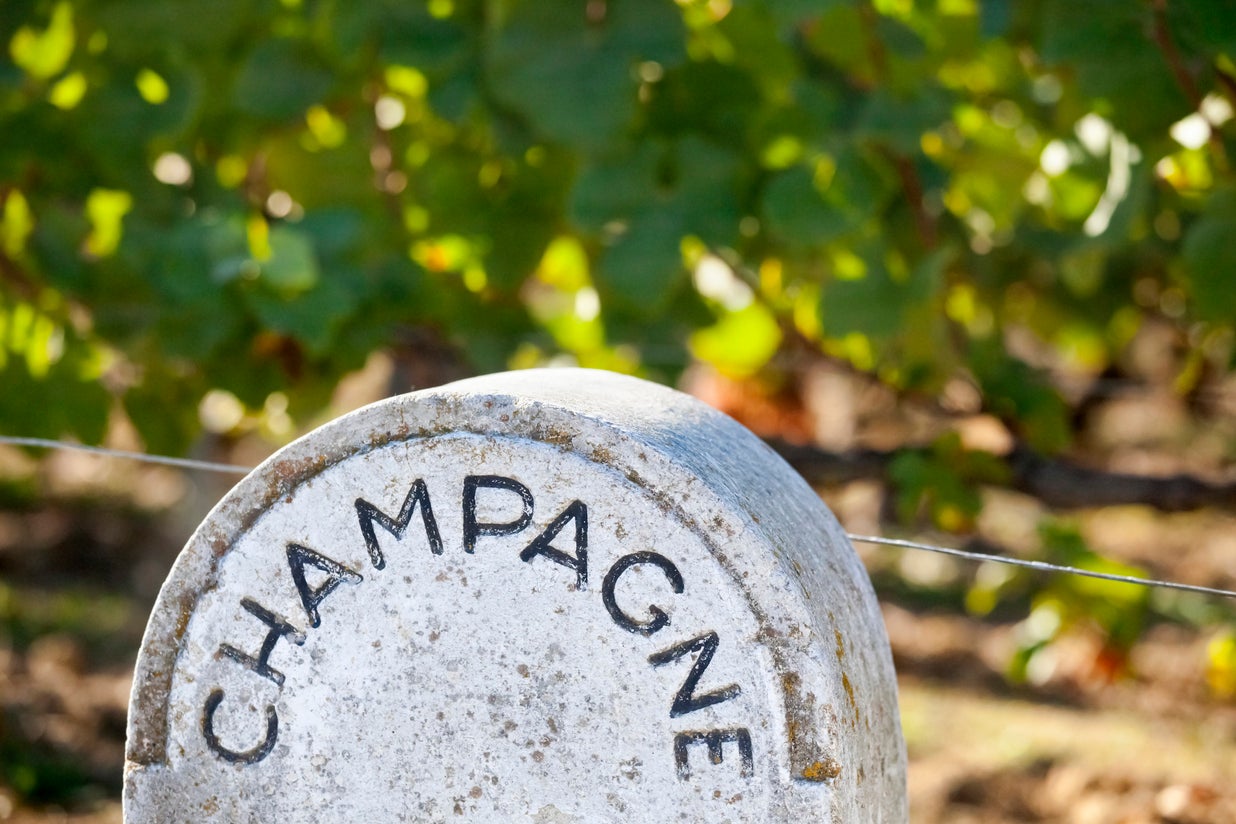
(229, 204)
(1114, 612)
(253, 196)
(943, 482)
(38, 774)
(93, 616)
(99, 623)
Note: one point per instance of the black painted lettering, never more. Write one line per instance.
(368, 514)
(251, 756)
(659, 619)
(336, 574)
(278, 629)
(715, 740)
(541, 545)
(686, 700)
(471, 528)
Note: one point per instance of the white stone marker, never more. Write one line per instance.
(547, 596)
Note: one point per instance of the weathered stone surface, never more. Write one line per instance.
(548, 596)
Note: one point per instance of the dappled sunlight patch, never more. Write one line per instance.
(106, 209)
(68, 91)
(44, 54)
(152, 87)
(16, 223)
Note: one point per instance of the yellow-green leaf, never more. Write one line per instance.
(68, 91)
(105, 209)
(741, 342)
(45, 54)
(16, 225)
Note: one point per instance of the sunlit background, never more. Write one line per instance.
(970, 266)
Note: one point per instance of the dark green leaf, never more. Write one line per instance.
(1210, 261)
(799, 214)
(575, 78)
(280, 79)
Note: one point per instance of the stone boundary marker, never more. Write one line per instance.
(547, 596)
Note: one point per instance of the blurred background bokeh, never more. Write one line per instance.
(969, 265)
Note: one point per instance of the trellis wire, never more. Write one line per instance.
(1042, 566)
(981, 557)
(182, 463)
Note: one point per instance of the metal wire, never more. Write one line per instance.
(182, 463)
(1042, 566)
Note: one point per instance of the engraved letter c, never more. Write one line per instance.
(248, 756)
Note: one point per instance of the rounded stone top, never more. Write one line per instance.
(544, 596)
